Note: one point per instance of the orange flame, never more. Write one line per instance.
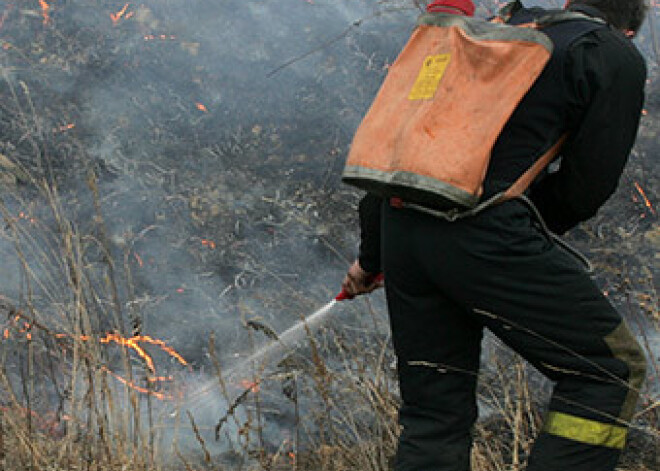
(45, 9)
(647, 202)
(201, 107)
(159, 379)
(133, 343)
(163, 346)
(138, 259)
(137, 388)
(115, 17)
(251, 385)
(208, 243)
(26, 217)
(65, 127)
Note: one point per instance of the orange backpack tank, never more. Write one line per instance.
(428, 135)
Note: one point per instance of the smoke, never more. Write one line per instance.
(218, 197)
(217, 131)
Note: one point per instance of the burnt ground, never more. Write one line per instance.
(217, 173)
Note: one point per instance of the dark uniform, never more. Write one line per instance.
(446, 281)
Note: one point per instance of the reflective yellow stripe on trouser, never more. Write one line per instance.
(585, 431)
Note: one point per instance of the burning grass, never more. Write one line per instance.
(151, 250)
(71, 402)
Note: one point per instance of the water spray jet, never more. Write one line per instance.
(285, 342)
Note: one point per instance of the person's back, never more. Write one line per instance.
(445, 281)
(593, 89)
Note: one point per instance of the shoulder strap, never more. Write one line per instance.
(515, 191)
(555, 17)
(507, 11)
(526, 179)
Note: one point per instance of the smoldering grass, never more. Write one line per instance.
(63, 410)
(348, 374)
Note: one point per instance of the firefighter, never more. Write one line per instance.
(447, 281)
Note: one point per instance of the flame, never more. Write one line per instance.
(137, 388)
(163, 346)
(201, 107)
(134, 344)
(138, 259)
(159, 379)
(208, 243)
(24, 329)
(647, 202)
(45, 11)
(115, 17)
(131, 343)
(251, 385)
(645, 112)
(26, 217)
(64, 127)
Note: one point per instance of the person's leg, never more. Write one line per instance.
(437, 345)
(586, 348)
(541, 302)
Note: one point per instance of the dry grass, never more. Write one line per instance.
(63, 408)
(67, 404)
(70, 402)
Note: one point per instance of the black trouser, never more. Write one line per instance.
(445, 281)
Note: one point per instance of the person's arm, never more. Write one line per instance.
(369, 251)
(606, 76)
(361, 276)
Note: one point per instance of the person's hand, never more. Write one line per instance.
(358, 281)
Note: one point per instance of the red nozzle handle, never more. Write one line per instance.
(372, 279)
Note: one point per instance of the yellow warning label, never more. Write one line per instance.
(429, 77)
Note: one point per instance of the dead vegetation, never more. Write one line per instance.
(152, 241)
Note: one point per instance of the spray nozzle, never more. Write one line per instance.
(372, 279)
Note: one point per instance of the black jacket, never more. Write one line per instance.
(593, 88)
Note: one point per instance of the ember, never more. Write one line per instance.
(45, 11)
(165, 184)
(250, 385)
(64, 128)
(121, 14)
(208, 243)
(647, 202)
(140, 389)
